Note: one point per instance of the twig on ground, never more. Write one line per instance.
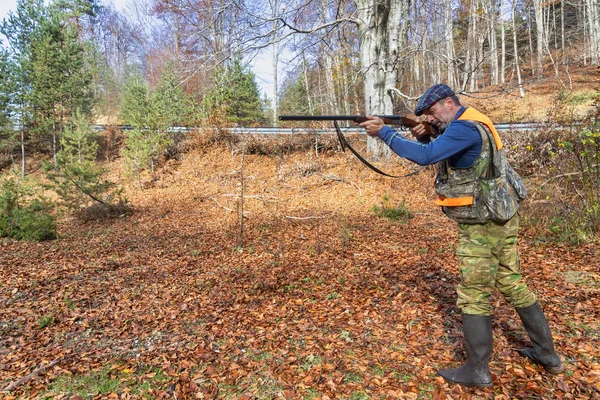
(263, 198)
(568, 174)
(31, 375)
(310, 217)
(221, 205)
(339, 179)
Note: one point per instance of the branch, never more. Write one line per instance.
(31, 375)
(318, 27)
(220, 205)
(263, 198)
(338, 179)
(82, 189)
(304, 218)
(569, 174)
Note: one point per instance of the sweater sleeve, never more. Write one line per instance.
(460, 138)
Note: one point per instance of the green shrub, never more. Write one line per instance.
(393, 213)
(24, 213)
(574, 183)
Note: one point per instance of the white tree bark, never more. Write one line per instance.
(516, 48)
(493, 20)
(540, 35)
(470, 46)
(275, 61)
(449, 40)
(562, 32)
(502, 43)
(381, 31)
(592, 11)
(331, 97)
(308, 93)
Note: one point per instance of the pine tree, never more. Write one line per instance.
(50, 70)
(294, 99)
(235, 95)
(5, 89)
(8, 138)
(77, 177)
(170, 106)
(145, 143)
(140, 151)
(61, 77)
(135, 103)
(19, 29)
(25, 214)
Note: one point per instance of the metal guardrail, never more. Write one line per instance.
(528, 126)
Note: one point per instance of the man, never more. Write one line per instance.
(478, 189)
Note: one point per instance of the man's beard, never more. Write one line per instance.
(442, 126)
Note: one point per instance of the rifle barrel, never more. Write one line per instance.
(387, 119)
(332, 117)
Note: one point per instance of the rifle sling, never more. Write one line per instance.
(344, 144)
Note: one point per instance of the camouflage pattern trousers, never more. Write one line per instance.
(488, 258)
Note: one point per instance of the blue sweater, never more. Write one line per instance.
(460, 142)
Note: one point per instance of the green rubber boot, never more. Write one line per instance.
(543, 352)
(478, 345)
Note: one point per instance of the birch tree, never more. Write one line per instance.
(275, 60)
(449, 41)
(382, 31)
(516, 48)
(492, 16)
(592, 8)
(540, 36)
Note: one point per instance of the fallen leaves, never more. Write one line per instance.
(345, 306)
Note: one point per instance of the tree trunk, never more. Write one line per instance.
(470, 47)
(308, 94)
(594, 29)
(449, 38)
(562, 32)
(22, 152)
(516, 49)
(381, 30)
(530, 37)
(275, 62)
(539, 33)
(331, 98)
(275, 65)
(492, 16)
(503, 44)
(586, 40)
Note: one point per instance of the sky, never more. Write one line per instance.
(261, 65)
(10, 5)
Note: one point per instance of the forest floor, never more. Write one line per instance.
(312, 295)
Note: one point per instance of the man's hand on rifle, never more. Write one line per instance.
(420, 132)
(372, 125)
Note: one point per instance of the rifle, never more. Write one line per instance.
(403, 121)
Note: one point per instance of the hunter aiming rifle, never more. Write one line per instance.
(401, 120)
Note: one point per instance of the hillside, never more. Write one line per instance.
(312, 295)
(504, 104)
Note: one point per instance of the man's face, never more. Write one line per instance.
(439, 114)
